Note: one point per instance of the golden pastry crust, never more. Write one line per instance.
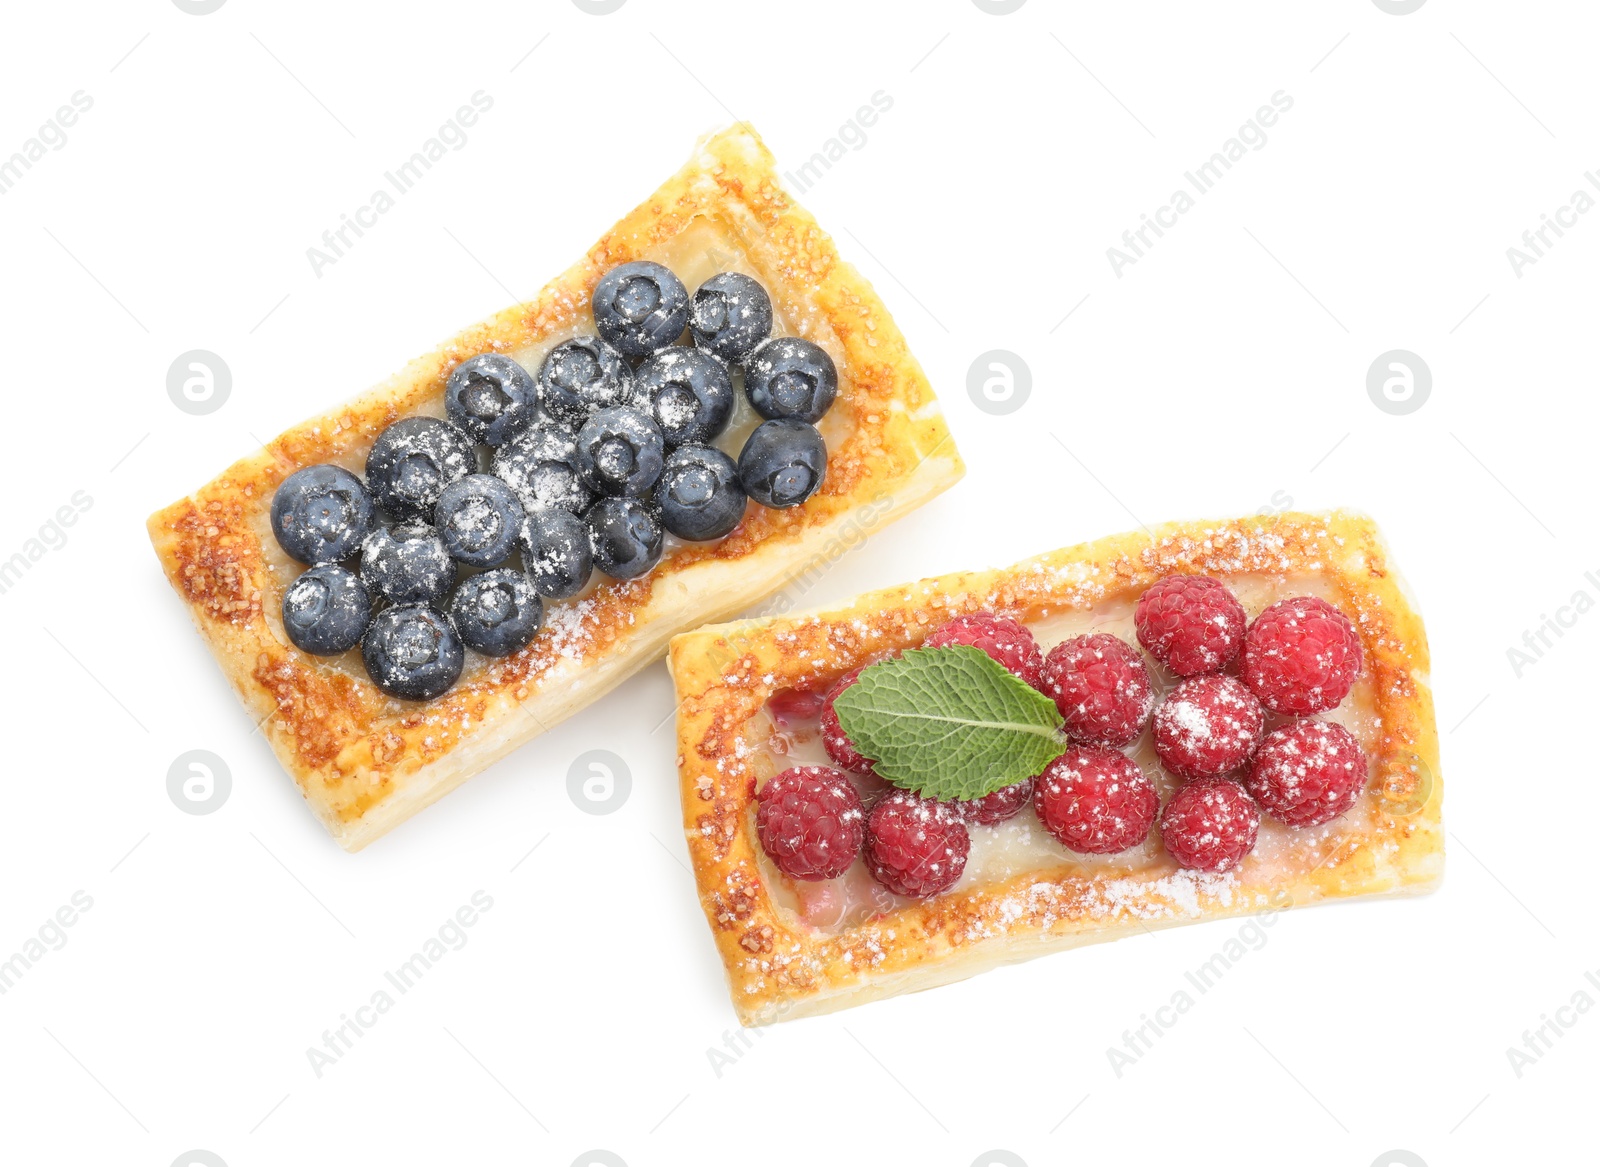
(366, 762)
(780, 967)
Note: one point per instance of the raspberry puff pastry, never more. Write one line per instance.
(366, 761)
(1336, 796)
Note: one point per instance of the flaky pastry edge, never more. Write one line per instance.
(780, 968)
(366, 763)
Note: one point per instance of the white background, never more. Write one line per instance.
(1223, 373)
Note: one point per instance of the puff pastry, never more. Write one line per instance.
(366, 762)
(792, 949)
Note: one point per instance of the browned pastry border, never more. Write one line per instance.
(780, 967)
(366, 762)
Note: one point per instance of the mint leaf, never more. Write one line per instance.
(950, 722)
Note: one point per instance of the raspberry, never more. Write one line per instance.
(1210, 825)
(1095, 800)
(810, 822)
(1208, 725)
(1190, 623)
(996, 806)
(1102, 688)
(1301, 656)
(839, 747)
(1308, 773)
(916, 846)
(788, 706)
(1004, 639)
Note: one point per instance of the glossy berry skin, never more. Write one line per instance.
(1191, 623)
(580, 376)
(412, 652)
(839, 746)
(326, 610)
(810, 822)
(996, 806)
(490, 397)
(556, 553)
(321, 514)
(1210, 825)
(640, 307)
(1005, 640)
(1095, 800)
(1208, 725)
(687, 393)
(730, 315)
(479, 519)
(791, 377)
(540, 465)
(916, 846)
(497, 612)
(625, 535)
(1301, 656)
(1308, 773)
(789, 707)
(620, 451)
(1101, 687)
(699, 494)
(413, 461)
(783, 463)
(407, 564)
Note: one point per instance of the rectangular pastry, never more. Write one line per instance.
(366, 759)
(888, 892)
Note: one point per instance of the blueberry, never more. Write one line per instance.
(731, 314)
(625, 535)
(620, 451)
(413, 461)
(699, 493)
(497, 612)
(790, 377)
(491, 397)
(321, 514)
(688, 393)
(478, 519)
(326, 610)
(407, 564)
(540, 465)
(582, 375)
(556, 553)
(783, 462)
(640, 307)
(412, 652)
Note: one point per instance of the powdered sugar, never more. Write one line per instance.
(1189, 720)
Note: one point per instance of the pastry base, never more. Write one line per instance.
(366, 762)
(780, 967)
